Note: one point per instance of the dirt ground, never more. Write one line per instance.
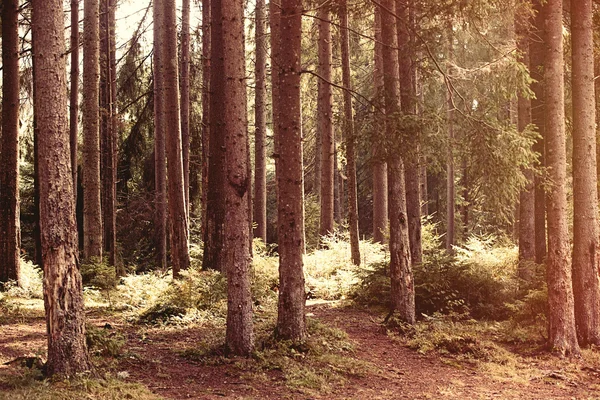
(153, 357)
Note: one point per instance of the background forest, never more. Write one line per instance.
(236, 178)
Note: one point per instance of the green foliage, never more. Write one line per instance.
(105, 341)
(31, 285)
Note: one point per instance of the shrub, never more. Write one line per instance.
(32, 282)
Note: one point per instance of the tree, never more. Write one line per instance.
(239, 335)
(10, 231)
(562, 337)
(206, 68)
(92, 216)
(527, 196)
(74, 92)
(450, 188)
(349, 135)
(260, 123)
(185, 99)
(379, 167)
(180, 258)
(325, 123)
(402, 285)
(586, 281)
(63, 293)
(291, 323)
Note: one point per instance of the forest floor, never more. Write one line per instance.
(166, 362)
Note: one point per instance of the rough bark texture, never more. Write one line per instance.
(185, 101)
(206, 68)
(63, 294)
(527, 196)
(586, 272)
(215, 207)
(74, 92)
(562, 336)
(325, 123)
(92, 214)
(349, 136)
(402, 285)
(450, 188)
(291, 323)
(160, 166)
(10, 227)
(260, 125)
(536, 50)
(408, 102)
(379, 167)
(114, 136)
(239, 335)
(180, 258)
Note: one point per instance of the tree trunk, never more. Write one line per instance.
(402, 285)
(527, 196)
(349, 136)
(92, 214)
(114, 135)
(260, 131)
(160, 166)
(63, 293)
(379, 168)
(180, 258)
(325, 123)
(74, 93)
(586, 281)
(185, 101)
(10, 227)
(562, 336)
(206, 71)
(450, 189)
(408, 101)
(536, 50)
(291, 322)
(239, 335)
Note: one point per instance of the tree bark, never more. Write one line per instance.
(206, 71)
(10, 227)
(402, 285)
(379, 166)
(349, 135)
(185, 101)
(92, 214)
(74, 93)
(450, 188)
(291, 323)
(260, 131)
(586, 278)
(63, 293)
(325, 123)
(562, 336)
(180, 258)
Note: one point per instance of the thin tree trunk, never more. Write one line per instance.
(402, 285)
(63, 293)
(160, 166)
(180, 258)
(325, 123)
(349, 136)
(379, 166)
(10, 227)
(74, 93)
(260, 131)
(185, 101)
(275, 27)
(586, 281)
(112, 233)
(450, 189)
(562, 336)
(206, 68)
(92, 214)
(291, 323)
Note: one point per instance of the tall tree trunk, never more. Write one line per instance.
(562, 336)
(408, 101)
(450, 189)
(402, 284)
(527, 196)
(379, 168)
(260, 130)
(160, 166)
(180, 258)
(291, 323)
(92, 214)
(206, 68)
(350, 135)
(325, 123)
(536, 51)
(10, 227)
(275, 27)
(63, 293)
(185, 101)
(215, 209)
(239, 335)
(74, 93)
(586, 281)
(114, 135)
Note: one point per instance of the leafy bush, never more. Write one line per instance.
(104, 341)
(32, 282)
